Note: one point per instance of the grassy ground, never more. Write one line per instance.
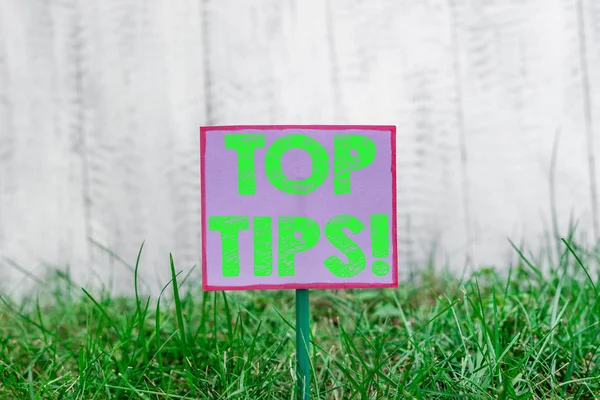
(487, 337)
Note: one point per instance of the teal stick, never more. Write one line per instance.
(303, 343)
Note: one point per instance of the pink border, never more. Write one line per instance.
(317, 285)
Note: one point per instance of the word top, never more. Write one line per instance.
(298, 207)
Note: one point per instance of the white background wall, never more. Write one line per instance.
(101, 100)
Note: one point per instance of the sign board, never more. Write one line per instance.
(298, 207)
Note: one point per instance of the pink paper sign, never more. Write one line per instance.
(298, 207)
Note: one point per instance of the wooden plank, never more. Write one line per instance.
(303, 64)
(126, 81)
(455, 11)
(519, 57)
(240, 80)
(592, 11)
(7, 144)
(176, 170)
(588, 114)
(42, 209)
(76, 119)
(589, 65)
(396, 66)
(268, 62)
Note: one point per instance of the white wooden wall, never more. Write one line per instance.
(101, 100)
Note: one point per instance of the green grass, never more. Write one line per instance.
(492, 336)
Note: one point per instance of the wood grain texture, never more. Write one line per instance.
(144, 159)
(268, 62)
(496, 104)
(7, 144)
(185, 58)
(520, 59)
(396, 66)
(591, 11)
(588, 22)
(40, 193)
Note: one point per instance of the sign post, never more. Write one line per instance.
(303, 343)
(298, 207)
